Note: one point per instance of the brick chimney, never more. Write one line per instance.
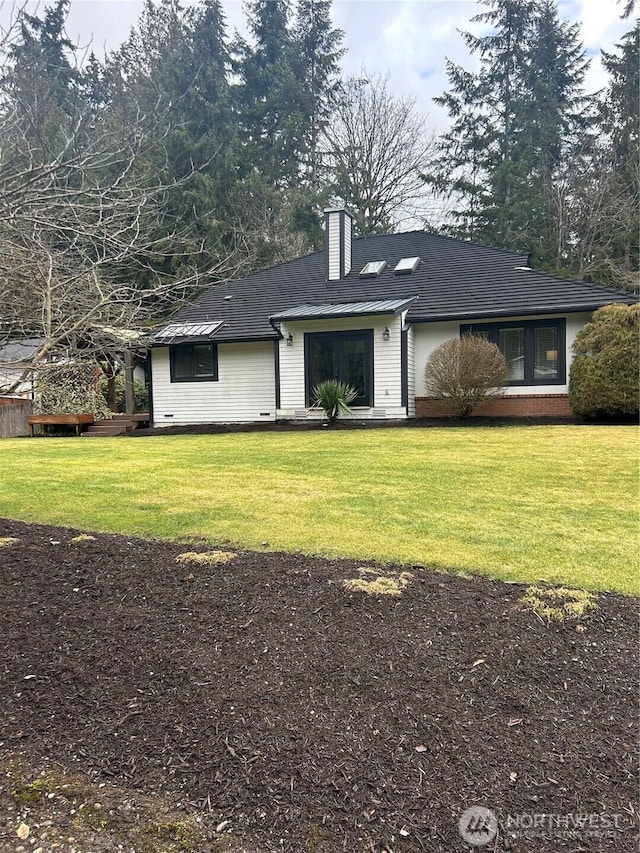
(337, 237)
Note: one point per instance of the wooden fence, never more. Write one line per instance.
(13, 418)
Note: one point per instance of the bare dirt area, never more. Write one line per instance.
(257, 702)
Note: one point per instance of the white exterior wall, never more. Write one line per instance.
(244, 392)
(347, 243)
(411, 371)
(387, 386)
(334, 246)
(430, 335)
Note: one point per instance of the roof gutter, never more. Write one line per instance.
(513, 312)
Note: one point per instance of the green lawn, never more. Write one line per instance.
(558, 503)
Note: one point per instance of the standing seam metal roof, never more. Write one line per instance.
(347, 309)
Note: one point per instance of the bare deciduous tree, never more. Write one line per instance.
(87, 242)
(376, 150)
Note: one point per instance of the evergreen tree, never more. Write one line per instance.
(602, 195)
(286, 79)
(175, 65)
(86, 231)
(270, 97)
(514, 121)
(556, 121)
(620, 115)
(318, 52)
(41, 79)
(504, 62)
(459, 170)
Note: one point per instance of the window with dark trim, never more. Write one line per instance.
(194, 363)
(346, 356)
(533, 349)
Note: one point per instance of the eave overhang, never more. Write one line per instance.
(515, 311)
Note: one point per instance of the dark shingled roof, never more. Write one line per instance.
(455, 280)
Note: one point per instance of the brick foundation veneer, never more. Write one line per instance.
(525, 406)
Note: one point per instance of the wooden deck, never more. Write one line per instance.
(43, 421)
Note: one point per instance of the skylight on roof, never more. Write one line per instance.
(372, 269)
(406, 266)
(188, 330)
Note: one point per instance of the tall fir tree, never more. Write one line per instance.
(317, 59)
(286, 75)
(175, 64)
(620, 111)
(606, 189)
(269, 96)
(42, 80)
(514, 120)
(459, 169)
(557, 119)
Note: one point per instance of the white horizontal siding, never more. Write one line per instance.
(387, 366)
(334, 246)
(428, 336)
(411, 372)
(347, 244)
(244, 392)
(387, 385)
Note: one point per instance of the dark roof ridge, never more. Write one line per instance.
(263, 270)
(521, 252)
(568, 280)
(418, 231)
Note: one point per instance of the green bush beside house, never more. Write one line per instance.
(605, 372)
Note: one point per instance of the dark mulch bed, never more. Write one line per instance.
(263, 693)
(353, 424)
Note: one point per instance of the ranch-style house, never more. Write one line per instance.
(368, 311)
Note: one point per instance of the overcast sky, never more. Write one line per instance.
(408, 39)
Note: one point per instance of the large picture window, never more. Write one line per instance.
(346, 356)
(533, 349)
(194, 363)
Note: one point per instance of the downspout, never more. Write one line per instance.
(404, 370)
(276, 364)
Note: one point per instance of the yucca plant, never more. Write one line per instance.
(333, 397)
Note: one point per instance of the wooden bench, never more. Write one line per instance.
(44, 421)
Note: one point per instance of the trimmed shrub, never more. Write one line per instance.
(333, 397)
(465, 372)
(604, 378)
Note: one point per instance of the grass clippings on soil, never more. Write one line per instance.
(205, 558)
(558, 602)
(372, 582)
(275, 710)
